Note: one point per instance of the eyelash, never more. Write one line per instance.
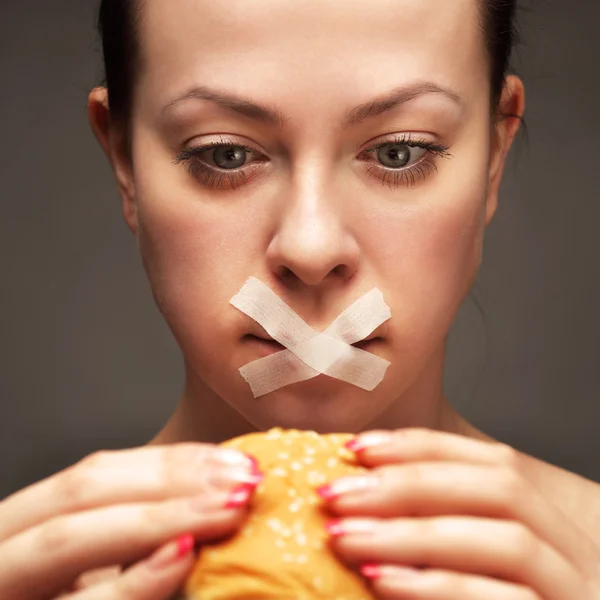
(214, 177)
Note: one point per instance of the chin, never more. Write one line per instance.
(322, 404)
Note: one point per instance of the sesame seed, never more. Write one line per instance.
(274, 524)
(315, 478)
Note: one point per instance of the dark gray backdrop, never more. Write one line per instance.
(86, 361)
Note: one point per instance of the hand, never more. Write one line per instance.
(116, 508)
(462, 516)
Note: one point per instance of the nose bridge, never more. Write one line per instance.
(310, 210)
(312, 240)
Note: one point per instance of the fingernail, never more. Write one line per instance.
(235, 458)
(373, 571)
(338, 527)
(369, 440)
(370, 571)
(346, 485)
(230, 476)
(239, 496)
(172, 553)
(255, 468)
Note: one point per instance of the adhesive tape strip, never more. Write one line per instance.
(308, 352)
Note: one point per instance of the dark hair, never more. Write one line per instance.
(119, 23)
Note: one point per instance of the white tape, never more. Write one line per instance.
(308, 352)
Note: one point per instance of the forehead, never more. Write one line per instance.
(273, 49)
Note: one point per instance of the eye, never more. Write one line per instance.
(396, 156)
(229, 157)
(404, 160)
(221, 164)
(225, 164)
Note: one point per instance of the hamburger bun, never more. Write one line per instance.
(281, 552)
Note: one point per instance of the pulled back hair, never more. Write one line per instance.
(119, 24)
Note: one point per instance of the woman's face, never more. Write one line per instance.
(300, 200)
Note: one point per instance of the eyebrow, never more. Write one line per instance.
(271, 115)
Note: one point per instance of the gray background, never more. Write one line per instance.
(86, 361)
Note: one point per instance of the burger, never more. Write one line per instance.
(281, 552)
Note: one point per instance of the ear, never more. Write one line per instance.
(505, 128)
(113, 140)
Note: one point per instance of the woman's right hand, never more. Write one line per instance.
(123, 507)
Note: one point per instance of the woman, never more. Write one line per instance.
(325, 149)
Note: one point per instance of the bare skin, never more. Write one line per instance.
(305, 243)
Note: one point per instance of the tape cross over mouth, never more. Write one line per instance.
(308, 352)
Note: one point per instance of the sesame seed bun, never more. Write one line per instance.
(281, 551)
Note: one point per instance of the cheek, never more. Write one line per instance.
(427, 258)
(197, 254)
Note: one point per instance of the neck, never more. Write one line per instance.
(202, 416)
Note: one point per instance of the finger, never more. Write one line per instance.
(70, 545)
(112, 477)
(379, 447)
(157, 578)
(487, 547)
(95, 577)
(428, 489)
(391, 582)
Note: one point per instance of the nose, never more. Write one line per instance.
(312, 242)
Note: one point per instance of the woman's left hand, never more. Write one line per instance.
(462, 516)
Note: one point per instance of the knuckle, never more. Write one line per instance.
(428, 528)
(523, 548)
(157, 519)
(508, 456)
(76, 483)
(97, 459)
(510, 487)
(54, 538)
(413, 475)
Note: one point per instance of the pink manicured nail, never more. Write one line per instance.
(240, 496)
(173, 552)
(255, 467)
(335, 528)
(373, 571)
(184, 545)
(338, 527)
(346, 485)
(368, 440)
(370, 571)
